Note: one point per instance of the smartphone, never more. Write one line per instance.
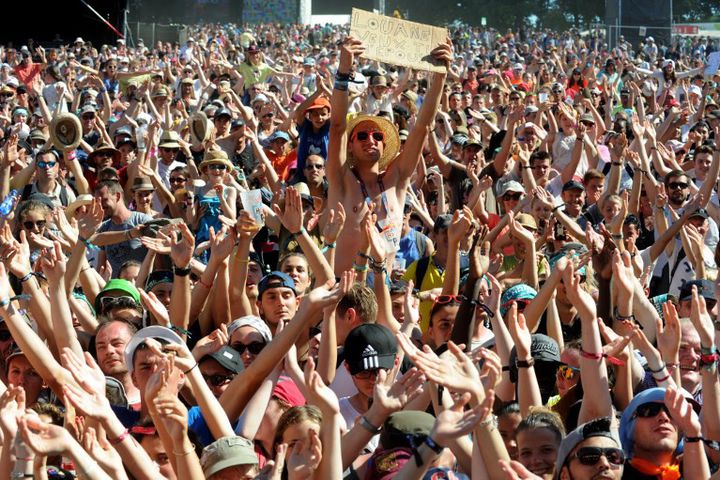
(543, 97)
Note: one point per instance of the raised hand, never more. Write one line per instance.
(318, 393)
(334, 224)
(304, 458)
(85, 371)
(292, 216)
(173, 414)
(155, 306)
(89, 220)
(44, 438)
(181, 249)
(519, 331)
(211, 343)
(12, 407)
(701, 319)
(454, 422)
(682, 413)
(460, 226)
(391, 395)
(350, 48)
(668, 335)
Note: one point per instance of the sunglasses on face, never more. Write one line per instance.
(108, 302)
(377, 136)
(178, 179)
(512, 196)
(590, 456)
(29, 224)
(255, 347)
(310, 166)
(44, 165)
(88, 117)
(368, 374)
(567, 372)
(268, 115)
(677, 186)
(173, 150)
(216, 166)
(443, 299)
(649, 410)
(218, 380)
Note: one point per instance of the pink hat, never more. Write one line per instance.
(289, 393)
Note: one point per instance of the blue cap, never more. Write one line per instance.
(275, 279)
(627, 421)
(279, 134)
(519, 291)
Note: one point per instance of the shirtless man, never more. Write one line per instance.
(363, 161)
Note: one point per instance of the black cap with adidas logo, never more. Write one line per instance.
(370, 346)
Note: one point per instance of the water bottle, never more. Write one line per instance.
(8, 203)
(140, 136)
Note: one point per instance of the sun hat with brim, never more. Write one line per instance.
(117, 284)
(392, 138)
(105, 148)
(80, 201)
(598, 427)
(200, 128)
(154, 331)
(215, 157)
(65, 131)
(227, 452)
(142, 184)
(169, 139)
(402, 427)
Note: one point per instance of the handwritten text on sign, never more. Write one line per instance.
(397, 42)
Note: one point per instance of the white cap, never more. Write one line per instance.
(695, 89)
(121, 41)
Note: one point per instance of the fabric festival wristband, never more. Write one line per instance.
(662, 367)
(27, 277)
(600, 356)
(340, 85)
(360, 268)
(662, 379)
(708, 360)
(120, 438)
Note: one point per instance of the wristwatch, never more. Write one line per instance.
(525, 363)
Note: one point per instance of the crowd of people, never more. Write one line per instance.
(259, 254)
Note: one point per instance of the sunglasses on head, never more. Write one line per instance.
(443, 299)
(29, 224)
(649, 410)
(567, 372)
(590, 456)
(50, 164)
(368, 374)
(376, 135)
(255, 347)
(218, 380)
(677, 186)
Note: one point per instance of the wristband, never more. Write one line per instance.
(711, 444)
(181, 272)
(4, 302)
(328, 246)
(558, 207)
(705, 360)
(343, 77)
(120, 438)
(708, 351)
(88, 244)
(340, 85)
(616, 164)
(662, 379)
(190, 369)
(525, 363)
(70, 155)
(432, 444)
(181, 331)
(365, 423)
(300, 232)
(600, 356)
(662, 367)
(360, 268)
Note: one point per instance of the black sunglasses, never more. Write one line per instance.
(590, 456)
(649, 410)
(30, 224)
(377, 136)
(218, 380)
(512, 196)
(677, 186)
(255, 347)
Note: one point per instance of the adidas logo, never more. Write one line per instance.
(370, 358)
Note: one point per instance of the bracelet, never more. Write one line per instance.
(70, 155)
(617, 236)
(558, 207)
(300, 232)
(89, 245)
(709, 360)
(190, 369)
(360, 268)
(600, 356)
(660, 380)
(616, 164)
(327, 246)
(4, 302)
(27, 277)
(182, 454)
(181, 272)
(120, 438)
(524, 363)
(341, 85)
(711, 444)
(662, 367)
(181, 331)
(708, 351)
(365, 423)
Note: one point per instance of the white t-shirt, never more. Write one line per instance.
(350, 415)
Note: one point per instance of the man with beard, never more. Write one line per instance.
(111, 337)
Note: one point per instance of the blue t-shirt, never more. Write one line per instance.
(121, 252)
(312, 143)
(197, 423)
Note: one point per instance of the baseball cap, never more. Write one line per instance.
(278, 134)
(587, 117)
(519, 291)
(526, 220)
(542, 349)
(510, 186)
(275, 279)
(598, 427)
(227, 452)
(223, 112)
(157, 277)
(573, 185)
(705, 288)
(228, 358)
(320, 102)
(154, 331)
(402, 426)
(459, 138)
(442, 222)
(471, 142)
(120, 285)
(370, 346)
(700, 212)
(289, 393)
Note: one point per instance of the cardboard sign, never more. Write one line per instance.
(397, 42)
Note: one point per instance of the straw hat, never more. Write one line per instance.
(66, 131)
(80, 201)
(392, 139)
(215, 157)
(200, 128)
(105, 147)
